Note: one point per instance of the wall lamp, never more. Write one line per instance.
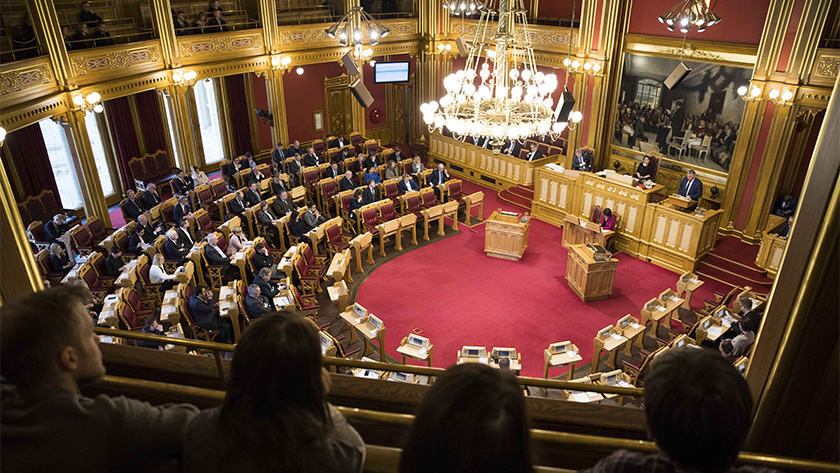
(88, 102)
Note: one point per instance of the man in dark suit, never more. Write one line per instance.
(264, 260)
(182, 210)
(174, 249)
(295, 149)
(252, 196)
(255, 176)
(691, 187)
(339, 142)
(511, 148)
(182, 26)
(278, 156)
(371, 193)
(784, 229)
(396, 156)
(256, 303)
(677, 120)
(332, 171)
(180, 184)
(150, 197)
(217, 23)
(234, 167)
(408, 184)
(372, 161)
(55, 228)
(282, 205)
(581, 161)
(311, 159)
(206, 315)
(133, 207)
(439, 176)
(101, 36)
(535, 154)
(347, 181)
(114, 263)
(238, 204)
(185, 235)
(267, 288)
(215, 255)
(136, 243)
(267, 220)
(483, 142)
(150, 232)
(294, 170)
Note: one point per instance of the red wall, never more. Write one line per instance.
(790, 35)
(749, 186)
(261, 101)
(379, 93)
(558, 9)
(305, 93)
(742, 20)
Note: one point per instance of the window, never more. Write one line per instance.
(99, 156)
(169, 111)
(647, 92)
(208, 120)
(61, 161)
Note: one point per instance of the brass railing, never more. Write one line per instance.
(567, 439)
(218, 348)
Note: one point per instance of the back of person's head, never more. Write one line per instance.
(747, 325)
(726, 347)
(36, 328)
(698, 408)
(276, 401)
(746, 303)
(471, 420)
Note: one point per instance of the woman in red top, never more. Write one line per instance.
(607, 220)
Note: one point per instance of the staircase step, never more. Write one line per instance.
(524, 193)
(515, 199)
(734, 279)
(733, 249)
(736, 267)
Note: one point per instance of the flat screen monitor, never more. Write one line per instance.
(472, 352)
(503, 353)
(384, 72)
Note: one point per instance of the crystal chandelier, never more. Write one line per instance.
(351, 27)
(499, 94)
(688, 13)
(463, 7)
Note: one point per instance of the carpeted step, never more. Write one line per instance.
(743, 270)
(709, 271)
(521, 192)
(515, 199)
(736, 250)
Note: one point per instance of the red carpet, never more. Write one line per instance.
(458, 296)
(520, 196)
(733, 262)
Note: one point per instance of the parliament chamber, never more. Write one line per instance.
(316, 157)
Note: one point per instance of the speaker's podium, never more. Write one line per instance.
(506, 235)
(590, 272)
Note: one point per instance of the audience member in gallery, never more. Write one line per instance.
(356, 203)
(200, 23)
(275, 416)
(511, 148)
(391, 171)
(182, 26)
(59, 262)
(133, 206)
(784, 229)
(49, 351)
(471, 420)
(690, 394)
(84, 39)
(67, 35)
(607, 220)
(372, 175)
(199, 177)
(645, 169)
(102, 37)
(408, 184)
(216, 24)
(416, 166)
(581, 161)
(785, 206)
(535, 153)
(88, 17)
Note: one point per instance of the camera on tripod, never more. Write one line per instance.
(265, 115)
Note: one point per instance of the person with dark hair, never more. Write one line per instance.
(698, 409)
(347, 183)
(267, 221)
(216, 24)
(355, 203)
(645, 169)
(102, 37)
(268, 290)
(48, 351)
(182, 26)
(312, 218)
(206, 314)
(152, 327)
(183, 209)
(67, 35)
(114, 263)
(263, 260)
(283, 205)
(581, 161)
(252, 195)
(278, 157)
(607, 220)
(785, 206)
(88, 17)
(136, 243)
(784, 229)
(275, 416)
(84, 39)
(372, 175)
(200, 24)
(296, 226)
(745, 339)
(472, 420)
(311, 159)
(691, 187)
(677, 120)
(370, 193)
(725, 349)
(407, 185)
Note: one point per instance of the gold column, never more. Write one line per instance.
(224, 118)
(533, 10)
(170, 146)
(138, 126)
(165, 26)
(429, 12)
(19, 273)
(268, 16)
(252, 117)
(186, 124)
(277, 104)
(427, 85)
(94, 198)
(47, 27)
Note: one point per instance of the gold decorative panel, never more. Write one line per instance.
(26, 77)
(111, 59)
(308, 34)
(542, 37)
(227, 43)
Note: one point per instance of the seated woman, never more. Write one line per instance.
(607, 220)
(645, 169)
(471, 420)
(158, 275)
(296, 225)
(372, 174)
(237, 241)
(198, 177)
(391, 171)
(355, 203)
(275, 416)
(59, 262)
(416, 166)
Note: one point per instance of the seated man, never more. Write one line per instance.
(311, 159)
(206, 314)
(511, 148)
(255, 177)
(439, 176)
(238, 204)
(55, 228)
(784, 229)
(114, 263)
(133, 207)
(267, 289)
(256, 304)
(173, 249)
(295, 149)
(137, 243)
(282, 205)
(742, 343)
(581, 161)
(49, 352)
(691, 187)
(278, 156)
(535, 153)
(332, 172)
(264, 260)
(312, 218)
(182, 210)
(151, 232)
(182, 26)
(252, 196)
(186, 238)
(267, 220)
(180, 185)
(785, 206)
(102, 37)
(150, 197)
(347, 183)
(215, 255)
(396, 156)
(88, 17)
(408, 184)
(690, 394)
(371, 193)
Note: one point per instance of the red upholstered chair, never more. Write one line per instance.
(370, 219)
(654, 162)
(336, 242)
(121, 240)
(96, 287)
(543, 148)
(332, 153)
(595, 216)
(205, 223)
(414, 204)
(391, 190)
(98, 262)
(24, 214)
(372, 146)
(97, 229)
(37, 235)
(143, 307)
(310, 176)
(151, 290)
(130, 318)
(310, 281)
(82, 239)
(44, 268)
(356, 139)
(326, 190)
(312, 260)
(219, 187)
(167, 211)
(387, 212)
(429, 199)
(307, 303)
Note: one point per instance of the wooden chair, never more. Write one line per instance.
(680, 143)
(219, 188)
(198, 332)
(150, 290)
(636, 370)
(97, 229)
(327, 190)
(213, 272)
(337, 241)
(390, 190)
(407, 222)
(310, 281)
(703, 147)
(367, 218)
(97, 261)
(82, 239)
(608, 339)
(307, 303)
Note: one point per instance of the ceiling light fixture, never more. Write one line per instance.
(688, 14)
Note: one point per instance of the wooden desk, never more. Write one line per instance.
(680, 203)
(609, 340)
(505, 236)
(677, 240)
(412, 351)
(772, 246)
(591, 280)
(515, 364)
(473, 200)
(582, 396)
(408, 221)
(349, 317)
(339, 294)
(128, 277)
(338, 269)
(686, 285)
(74, 272)
(569, 357)
(429, 215)
(360, 243)
(578, 231)
(108, 314)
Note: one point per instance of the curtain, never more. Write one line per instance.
(151, 121)
(121, 126)
(30, 160)
(238, 114)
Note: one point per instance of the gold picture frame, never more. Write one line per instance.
(318, 120)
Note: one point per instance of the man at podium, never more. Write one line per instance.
(691, 187)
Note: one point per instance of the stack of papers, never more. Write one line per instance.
(659, 307)
(579, 396)
(714, 331)
(482, 360)
(635, 325)
(281, 301)
(571, 354)
(617, 337)
(623, 384)
(422, 351)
